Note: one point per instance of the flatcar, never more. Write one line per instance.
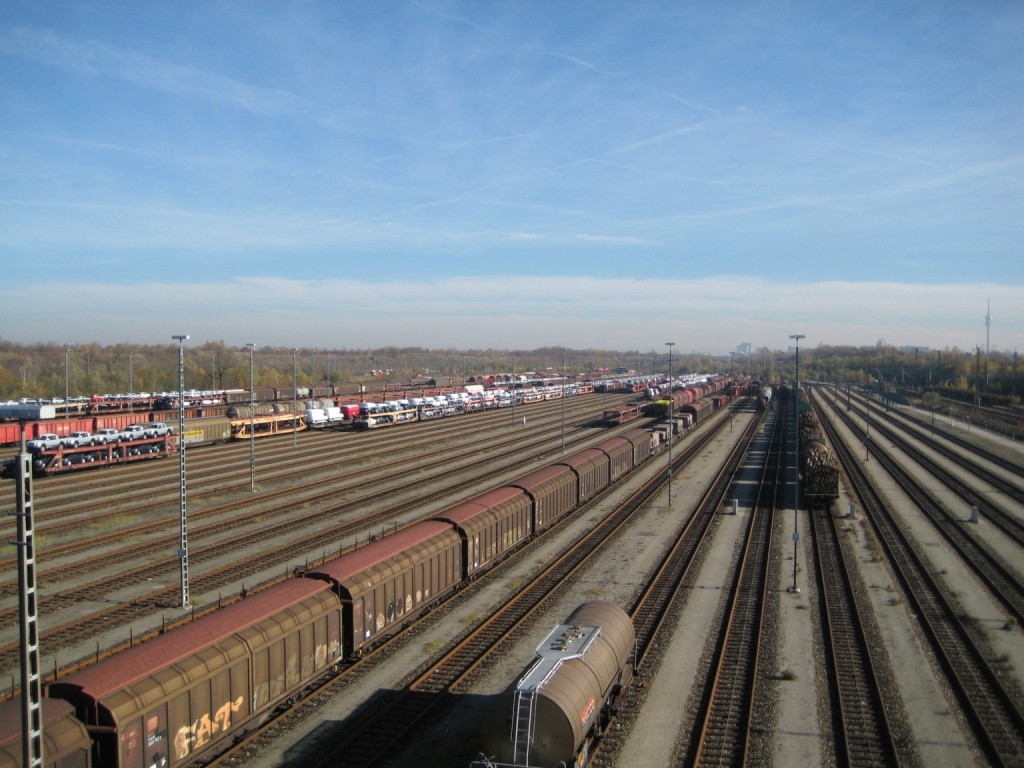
(58, 460)
(381, 416)
(119, 411)
(623, 414)
(268, 426)
(567, 696)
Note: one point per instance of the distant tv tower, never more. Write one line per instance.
(988, 327)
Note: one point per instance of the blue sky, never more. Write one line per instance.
(512, 174)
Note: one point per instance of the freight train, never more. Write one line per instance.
(258, 420)
(695, 399)
(192, 690)
(567, 696)
(117, 411)
(819, 469)
(207, 412)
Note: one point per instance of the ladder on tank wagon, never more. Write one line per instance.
(526, 701)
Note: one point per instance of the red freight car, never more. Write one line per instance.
(554, 490)
(593, 469)
(643, 444)
(172, 699)
(66, 743)
(620, 456)
(390, 580)
(490, 525)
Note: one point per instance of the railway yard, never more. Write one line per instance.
(901, 643)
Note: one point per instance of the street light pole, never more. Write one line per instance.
(66, 352)
(563, 400)
(671, 420)
(295, 394)
(796, 466)
(252, 424)
(513, 390)
(182, 517)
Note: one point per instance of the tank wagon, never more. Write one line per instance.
(820, 471)
(567, 696)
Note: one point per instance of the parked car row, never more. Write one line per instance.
(50, 442)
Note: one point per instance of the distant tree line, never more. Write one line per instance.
(43, 370)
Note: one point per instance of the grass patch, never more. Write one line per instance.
(435, 646)
(116, 521)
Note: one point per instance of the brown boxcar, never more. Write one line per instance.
(490, 525)
(216, 429)
(593, 469)
(66, 743)
(389, 580)
(171, 699)
(700, 410)
(620, 456)
(554, 490)
(643, 445)
(567, 695)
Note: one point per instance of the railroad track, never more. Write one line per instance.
(85, 627)
(323, 491)
(727, 705)
(1000, 577)
(965, 459)
(920, 427)
(993, 712)
(863, 734)
(654, 612)
(365, 738)
(225, 469)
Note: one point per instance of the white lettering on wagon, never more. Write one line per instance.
(192, 737)
(588, 710)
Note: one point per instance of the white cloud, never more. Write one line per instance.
(92, 57)
(710, 315)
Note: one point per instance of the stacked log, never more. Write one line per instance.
(820, 469)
